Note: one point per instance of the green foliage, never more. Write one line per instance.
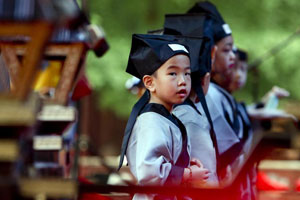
(257, 25)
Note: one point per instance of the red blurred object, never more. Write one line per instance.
(265, 183)
(298, 185)
(82, 89)
(90, 196)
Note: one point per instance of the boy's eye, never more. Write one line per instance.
(172, 73)
(188, 73)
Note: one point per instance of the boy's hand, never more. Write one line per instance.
(226, 176)
(195, 161)
(277, 92)
(199, 173)
(280, 92)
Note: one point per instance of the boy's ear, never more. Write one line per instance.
(205, 82)
(149, 83)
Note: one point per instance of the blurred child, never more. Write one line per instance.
(135, 86)
(269, 101)
(155, 141)
(231, 132)
(240, 71)
(191, 112)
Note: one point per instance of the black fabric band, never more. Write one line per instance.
(190, 103)
(201, 96)
(131, 121)
(183, 159)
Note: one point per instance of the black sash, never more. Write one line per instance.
(235, 123)
(142, 106)
(238, 110)
(233, 152)
(242, 111)
(189, 102)
(183, 159)
(131, 121)
(199, 91)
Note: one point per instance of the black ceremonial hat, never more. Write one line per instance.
(185, 24)
(220, 28)
(193, 27)
(156, 32)
(200, 56)
(149, 52)
(242, 55)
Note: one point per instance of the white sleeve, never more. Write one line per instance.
(154, 156)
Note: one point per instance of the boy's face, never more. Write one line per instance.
(239, 75)
(224, 61)
(171, 83)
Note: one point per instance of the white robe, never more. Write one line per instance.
(226, 137)
(154, 147)
(198, 131)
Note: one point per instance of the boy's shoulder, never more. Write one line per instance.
(214, 92)
(216, 97)
(155, 127)
(186, 113)
(154, 120)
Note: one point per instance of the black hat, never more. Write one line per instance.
(220, 28)
(242, 55)
(200, 49)
(149, 52)
(156, 32)
(185, 24)
(194, 27)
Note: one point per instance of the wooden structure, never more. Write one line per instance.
(71, 53)
(29, 35)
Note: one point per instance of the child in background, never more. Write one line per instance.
(231, 132)
(240, 72)
(191, 112)
(135, 86)
(155, 141)
(269, 101)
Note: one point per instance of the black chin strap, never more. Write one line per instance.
(131, 121)
(201, 96)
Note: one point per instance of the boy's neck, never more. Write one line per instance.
(221, 80)
(154, 99)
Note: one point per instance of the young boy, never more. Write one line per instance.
(155, 141)
(191, 113)
(221, 75)
(231, 132)
(240, 71)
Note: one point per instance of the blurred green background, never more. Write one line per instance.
(257, 26)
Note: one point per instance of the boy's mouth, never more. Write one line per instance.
(182, 92)
(231, 66)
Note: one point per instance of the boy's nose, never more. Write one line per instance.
(182, 80)
(232, 55)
